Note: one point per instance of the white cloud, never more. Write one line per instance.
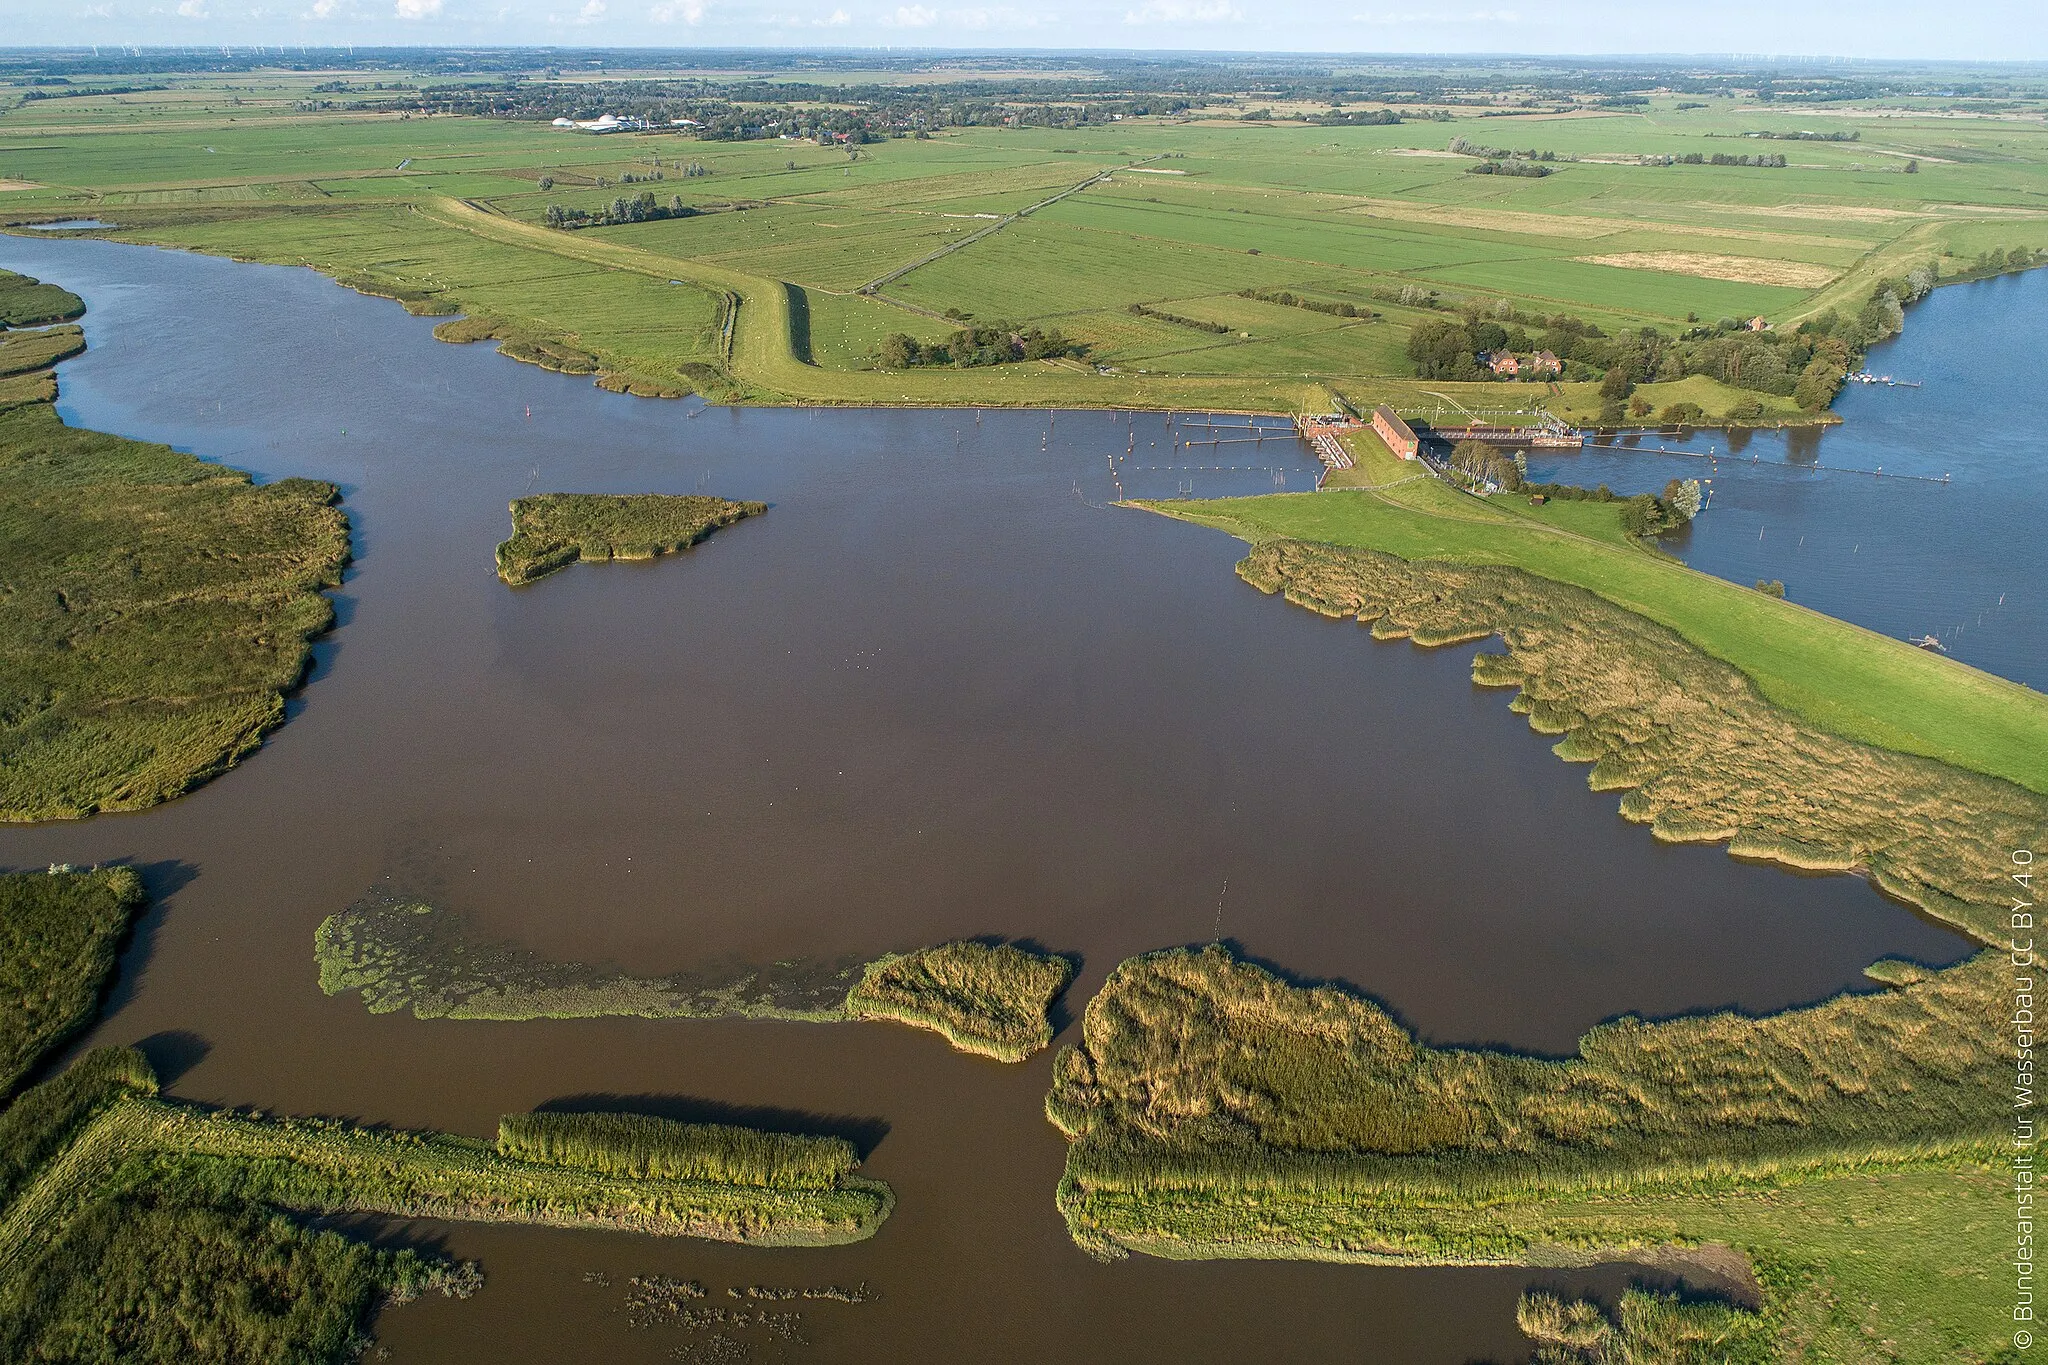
(1478, 16)
(324, 9)
(592, 11)
(838, 18)
(669, 11)
(97, 12)
(417, 9)
(192, 9)
(998, 16)
(1184, 12)
(914, 16)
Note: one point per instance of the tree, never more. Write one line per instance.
(899, 352)
(1683, 497)
(1616, 384)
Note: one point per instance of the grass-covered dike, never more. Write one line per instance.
(553, 530)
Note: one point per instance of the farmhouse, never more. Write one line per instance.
(1398, 435)
(1502, 363)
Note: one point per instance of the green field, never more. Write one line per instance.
(448, 209)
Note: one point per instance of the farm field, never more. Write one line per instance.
(1176, 215)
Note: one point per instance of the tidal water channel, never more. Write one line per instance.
(940, 689)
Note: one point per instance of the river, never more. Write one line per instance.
(940, 689)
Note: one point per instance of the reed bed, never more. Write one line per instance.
(27, 302)
(403, 953)
(1212, 1105)
(1698, 753)
(649, 1148)
(59, 933)
(1645, 1329)
(23, 352)
(990, 999)
(160, 607)
(554, 530)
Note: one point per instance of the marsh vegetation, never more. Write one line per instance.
(1699, 754)
(554, 530)
(59, 933)
(160, 607)
(993, 999)
(403, 953)
(1216, 1110)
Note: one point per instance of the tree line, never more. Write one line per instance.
(974, 347)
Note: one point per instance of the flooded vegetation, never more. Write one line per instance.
(402, 953)
(554, 530)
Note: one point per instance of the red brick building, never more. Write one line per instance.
(1398, 435)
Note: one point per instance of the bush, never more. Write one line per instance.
(1771, 587)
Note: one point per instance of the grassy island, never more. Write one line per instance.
(403, 953)
(554, 530)
(1218, 1111)
(159, 606)
(988, 999)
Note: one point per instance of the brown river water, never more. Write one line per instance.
(938, 690)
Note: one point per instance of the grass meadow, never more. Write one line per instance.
(1338, 212)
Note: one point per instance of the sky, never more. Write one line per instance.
(2002, 30)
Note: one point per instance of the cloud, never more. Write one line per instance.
(1478, 16)
(324, 9)
(417, 9)
(1184, 12)
(999, 16)
(913, 16)
(838, 18)
(669, 11)
(592, 11)
(192, 9)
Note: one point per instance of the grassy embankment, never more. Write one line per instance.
(159, 606)
(554, 530)
(137, 1228)
(1216, 1111)
(405, 954)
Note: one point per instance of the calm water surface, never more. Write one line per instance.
(939, 690)
(1963, 561)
